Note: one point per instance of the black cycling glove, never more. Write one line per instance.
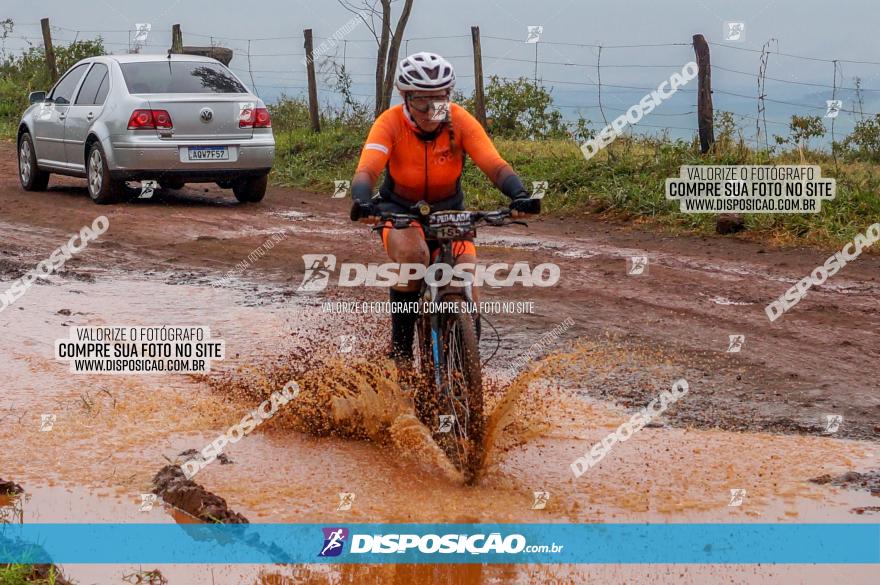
(362, 197)
(361, 209)
(526, 205)
(520, 198)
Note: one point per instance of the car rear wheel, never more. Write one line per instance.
(32, 178)
(251, 189)
(103, 188)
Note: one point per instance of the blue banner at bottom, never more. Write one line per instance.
(441, 543)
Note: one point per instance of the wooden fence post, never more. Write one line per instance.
(725, 223)
(704, 94)
(50, 51)
(176, 39)
(479, 96)
(313, 86)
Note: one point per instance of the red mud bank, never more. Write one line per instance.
(176, 490)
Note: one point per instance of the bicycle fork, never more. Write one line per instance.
(435, 294)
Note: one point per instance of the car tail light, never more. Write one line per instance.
(149, 120)
(262, 120)
(162, 119)
(141, 119)
(255, 118)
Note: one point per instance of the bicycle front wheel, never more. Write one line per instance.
(460, 427)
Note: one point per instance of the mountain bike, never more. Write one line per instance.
(447, 355)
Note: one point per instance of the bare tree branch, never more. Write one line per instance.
(381, 56)
(394, 53)
(367, 7)
(387, 41)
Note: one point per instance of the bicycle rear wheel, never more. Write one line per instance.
(461, 391)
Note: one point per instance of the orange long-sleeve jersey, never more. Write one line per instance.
(427, 170)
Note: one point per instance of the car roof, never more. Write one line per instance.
(140, 58)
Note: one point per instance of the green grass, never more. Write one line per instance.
(22, 575)
(625, 181)
(312, 161)
(7, 129)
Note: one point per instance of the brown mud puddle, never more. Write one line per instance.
(352, 430)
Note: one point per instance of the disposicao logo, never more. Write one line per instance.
(475, 544)
(320, 267)
(334, 541)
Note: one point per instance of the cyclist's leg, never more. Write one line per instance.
(404, 246)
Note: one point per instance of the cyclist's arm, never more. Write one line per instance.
(479, 147)
(374, 157)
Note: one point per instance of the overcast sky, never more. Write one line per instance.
(845, 30)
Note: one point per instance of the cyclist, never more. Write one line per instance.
(421, 144)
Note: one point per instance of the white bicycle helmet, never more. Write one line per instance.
(425, 72)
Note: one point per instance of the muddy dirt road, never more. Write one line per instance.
(754, 419)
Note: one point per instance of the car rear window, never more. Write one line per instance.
(179, 77)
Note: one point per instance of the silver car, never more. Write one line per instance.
(173, 119)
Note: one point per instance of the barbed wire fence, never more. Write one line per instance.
(276, 65)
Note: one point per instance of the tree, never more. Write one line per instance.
(859, 102)
(801, 129)
(353, 111)
(725, 129)
(377, 15)
(6, 27)
(864, 142)
(20, 74)
(520, 109)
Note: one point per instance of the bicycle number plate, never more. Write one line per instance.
(462, 218)
(450, 224)
(447, 232)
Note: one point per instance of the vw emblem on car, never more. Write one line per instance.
(206, 114)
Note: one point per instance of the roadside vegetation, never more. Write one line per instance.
(25, 72)
(625, 181)
(27, 575)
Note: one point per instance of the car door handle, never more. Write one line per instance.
(62, 116)
(90, 116)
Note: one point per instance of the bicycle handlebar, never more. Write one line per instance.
(497, 217)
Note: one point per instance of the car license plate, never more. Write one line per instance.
(208, 153)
